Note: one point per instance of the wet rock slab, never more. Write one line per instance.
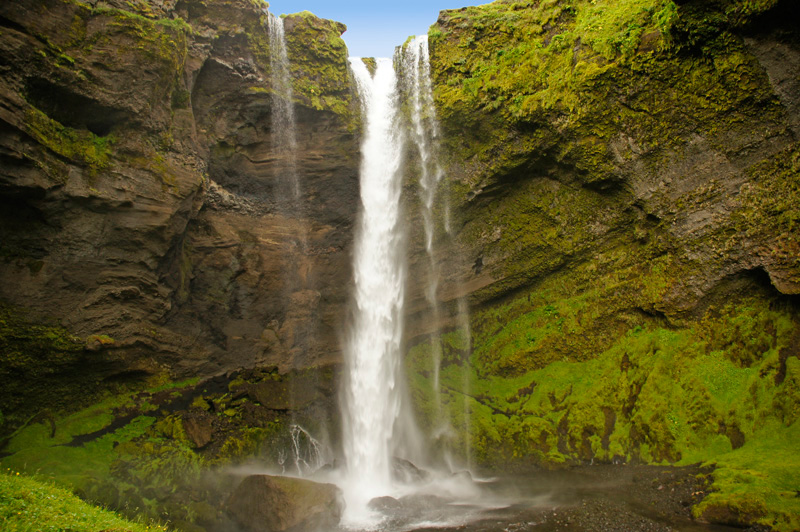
(267, 503)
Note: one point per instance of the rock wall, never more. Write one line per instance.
(140, 195)
(623, 187)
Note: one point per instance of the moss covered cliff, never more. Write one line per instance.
(623, 181)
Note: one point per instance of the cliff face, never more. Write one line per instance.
(623, 182)
(141, 203)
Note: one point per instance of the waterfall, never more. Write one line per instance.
(298, 288)
(284, 127)
(418, 89)
(372, 403)
(424, 130)
(307, 454)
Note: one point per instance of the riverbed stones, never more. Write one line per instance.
(267, 503)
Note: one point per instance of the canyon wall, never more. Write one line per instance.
(623, 188)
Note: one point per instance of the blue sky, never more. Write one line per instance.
(374, 27)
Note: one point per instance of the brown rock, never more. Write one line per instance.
(147, 207)
(266, 503)
(199, 430)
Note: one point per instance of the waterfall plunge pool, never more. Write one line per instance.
(589, 498)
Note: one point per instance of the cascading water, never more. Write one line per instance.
(417, 80)
(418, 89)
(284, 127)
(372, 390)
(307, 453)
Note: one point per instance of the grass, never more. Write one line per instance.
(31, 505)
(133, 453)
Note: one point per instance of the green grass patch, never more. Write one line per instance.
(33, 505)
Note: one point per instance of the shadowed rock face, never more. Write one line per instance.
(140, 197)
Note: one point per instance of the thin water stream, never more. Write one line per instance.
(283, 123)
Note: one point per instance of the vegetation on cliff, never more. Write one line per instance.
(318, 58)
(624, 181)
(45, 370)
(721, 391)
(623, 176)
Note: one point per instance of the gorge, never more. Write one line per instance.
(583, 263)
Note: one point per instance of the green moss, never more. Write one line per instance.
(162, 42)
(591, 340)
(100, 339)
(706, 392)
(44, 368)
(371, 64)
(201, 403)
(769, 209)
(133, 451)
(318, 61)
(82, 147)
(508, 90)
(758, 482)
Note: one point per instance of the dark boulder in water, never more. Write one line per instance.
(385, 504)
(405, 471)
(267, 503)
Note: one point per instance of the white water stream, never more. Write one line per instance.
(284, 127)
(415, 64)
(372, 388)
(434, 206)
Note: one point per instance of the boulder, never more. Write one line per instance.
(267, 503)
(407, 472)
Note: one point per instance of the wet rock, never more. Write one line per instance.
(464, 475)
(265, 503)
(405, 471)
(740, 513)
(409, 508)
(385, 504)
